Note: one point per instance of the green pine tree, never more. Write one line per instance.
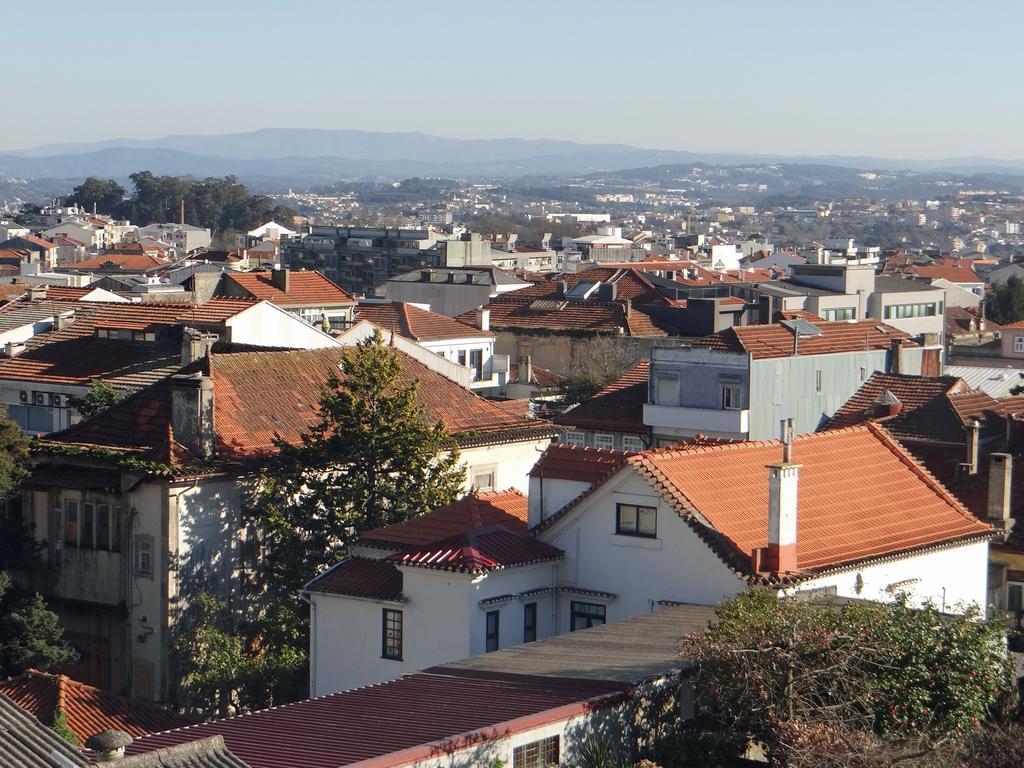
(30, 634)
(372, 459)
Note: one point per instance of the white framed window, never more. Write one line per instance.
(632, 443)
(1018, 343)
(537, 754)
(604, 440)
(732, 397)
(483, 479)
(144, 556)
(573, 437)
(666, 389)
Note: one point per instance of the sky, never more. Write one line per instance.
(899, 78)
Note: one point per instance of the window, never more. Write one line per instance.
(462, 357)
(732, 397)
(666, 390)
(536, 754)
(817, 381)
(522, 348)
(577, 353)
(572, 438)
(634, 520)
(604, 440)
(391, 635)
(493, 628)
(586, 615)
(144, 556)
(529, 622)
(903, 311)
(840, 313)
(85, 533)
(102, 526)
(1018, 343)
(1015, 598)
(632, 443)
(483, 480)
(476, 362)
(70, 523)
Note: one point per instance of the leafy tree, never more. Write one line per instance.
(864, 684)
(372, 459)
(1006, 302)
(99, 398)
(105, 194)
(30, 634)
(580, 386)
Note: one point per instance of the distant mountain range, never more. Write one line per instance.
(304, 157)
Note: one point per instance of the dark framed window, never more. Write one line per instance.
(476, 362)
(586, 615)
(102, 526)
(85, 535)
(529, 622)
(537, 754)
(1015, 598)
(70, 523)
(391, 634)
(732, 397)
(635, 520)
(493, 628)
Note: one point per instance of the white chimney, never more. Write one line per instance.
(483, 319)
(1000, 481)
(783, 482)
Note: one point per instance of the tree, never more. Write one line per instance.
(1006, 302)
(372, 459)
(99, 398)
(106, 195)
(30, 634)
(863, 684)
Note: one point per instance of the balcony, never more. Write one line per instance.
(715, 421)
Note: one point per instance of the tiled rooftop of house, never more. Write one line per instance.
(928, 408)
(953, 273)
(475, 510)
(417, 323)
(618, 407)
(117, 261)
(421, 715)
(360, 577)
(777, 340)
(305, 288)
(480, 550)
(89, 710)
(855, 487)
(576, 462)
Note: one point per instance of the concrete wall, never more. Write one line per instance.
(267, 325)
(510, 462)
(451, 299)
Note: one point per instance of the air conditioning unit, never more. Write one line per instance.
(58, 401)
(40, 398)
(23, 396)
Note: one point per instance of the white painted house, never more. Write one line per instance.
(847, 512)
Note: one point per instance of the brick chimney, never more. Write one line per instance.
(192, 412)
(279, 279)
(896, 356)
(783, 481)
(483, 318)
(1000, 482)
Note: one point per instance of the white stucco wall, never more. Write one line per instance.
(267, 325)
(510, 462)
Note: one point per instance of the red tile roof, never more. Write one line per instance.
(576, 462)
(768, 341)
(481, 550)
(416, 323)
(479, 510)
(89, 710)
(856, 486)
(305, 289)
(360, 577)
(123, 261)
(511, 312)
(954, 274)
(262, 394)
(932, 408)
(618, 407)
(417, 715)
(39, 242)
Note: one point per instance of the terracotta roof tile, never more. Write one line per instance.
(416, 323)
(118, 261)
(776, 340)
(480, 510)
(619, 406)
(576, 462)
(954, 274)
(931, 408)
(360, 577)
(479, 550)
(856, 486)
(305, 288)
(516, 312)
(89, 710)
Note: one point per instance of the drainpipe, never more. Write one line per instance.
(304, 596)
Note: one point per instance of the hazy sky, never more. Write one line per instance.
(896, 78)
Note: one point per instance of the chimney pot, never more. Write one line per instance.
(783, 485)
(483, 319)
(279, 278)
(1000, 481)
(109, 745)
(973, 443)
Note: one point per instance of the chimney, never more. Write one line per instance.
(628, 308)
(424, 275)
(483, 318)
(109, 745)
(783, 480)
(896, 356)
(279, 279)
(192, 412)
(970, 463)
(37, 293)
(1000, 482)
(887, 405)
(194, 344)
(525, 370)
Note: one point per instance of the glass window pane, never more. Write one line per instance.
(85, 537)
(103, 526)
(647, 521)
(70, 523)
